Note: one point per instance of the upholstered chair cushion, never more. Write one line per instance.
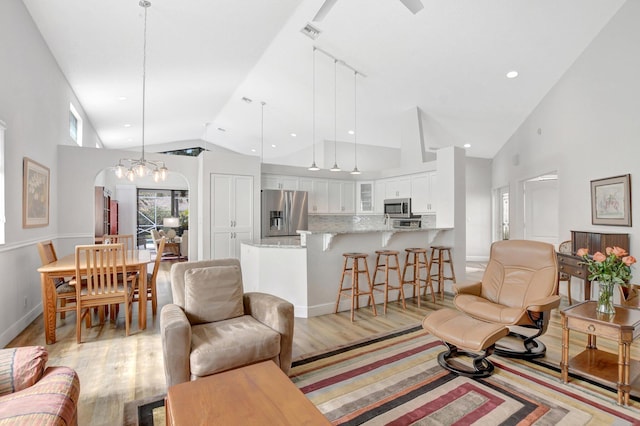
(223, 345)
(179, 269)
(21, 368)
(213, 294)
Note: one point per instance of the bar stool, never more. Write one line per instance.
(354, 291)
(438, 258)
(385, 256)
(416, 260)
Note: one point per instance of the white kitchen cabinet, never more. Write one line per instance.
(399, 187)
(318, 194)
(231, 213)
(379, 196)
(342, 197)
(365, 197)
(423, 193)
(279, 182)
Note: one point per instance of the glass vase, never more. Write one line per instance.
(605, 298)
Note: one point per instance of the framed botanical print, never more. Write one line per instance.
(611, 201)
(35, 194)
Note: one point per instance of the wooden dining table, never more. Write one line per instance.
(136, 261)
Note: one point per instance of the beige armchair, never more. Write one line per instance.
(212, 326)
(518, 290)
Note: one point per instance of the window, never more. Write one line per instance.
(2, 218)
(156, 204)
(75, 125)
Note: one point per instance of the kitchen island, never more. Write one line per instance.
(308, 273)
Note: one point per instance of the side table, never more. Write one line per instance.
(618, 371)
(258, 394)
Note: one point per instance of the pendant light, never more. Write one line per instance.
(139, 167)
(355, 170)
(335, 167)
(313, 166)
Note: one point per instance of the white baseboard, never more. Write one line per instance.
(19, 326)
(477, 258)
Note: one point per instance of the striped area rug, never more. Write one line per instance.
(396, 380)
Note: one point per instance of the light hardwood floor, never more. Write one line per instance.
(114, 369)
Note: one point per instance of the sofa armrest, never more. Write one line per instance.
(544, 304)
(175, 333)
(473, 288)
(52, 400)
(21, 367)
(277, 314)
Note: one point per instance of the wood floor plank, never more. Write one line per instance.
(114, 369)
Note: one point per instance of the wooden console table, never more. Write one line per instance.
(615, 370)
(256, 394)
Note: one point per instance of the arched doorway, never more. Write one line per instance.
(139, 206)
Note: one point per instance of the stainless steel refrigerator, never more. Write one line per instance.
(283, 212)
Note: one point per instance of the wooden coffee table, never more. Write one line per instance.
(258, 394)
(615, 370)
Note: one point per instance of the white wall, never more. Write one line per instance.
(586, 128)
(34, 105)
(478, 208)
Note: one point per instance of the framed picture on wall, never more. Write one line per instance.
(35, 194)
(611, 201)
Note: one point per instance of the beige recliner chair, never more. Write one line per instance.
(212, 326)
(518, 289)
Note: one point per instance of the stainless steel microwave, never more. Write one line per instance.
(397, 207)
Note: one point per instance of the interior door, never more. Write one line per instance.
(501, 225)
(541, 214)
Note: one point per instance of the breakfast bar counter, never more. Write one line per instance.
(308, 275)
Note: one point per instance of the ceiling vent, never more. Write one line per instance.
(310, 31)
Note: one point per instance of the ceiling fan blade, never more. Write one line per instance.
(414, 6)
(324, 9)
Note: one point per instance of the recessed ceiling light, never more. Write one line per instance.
(293, 135)
(273, 146)
(130, 140)
(512, 74)
(253, 150)
(351, 132)
(127, 125)
(467, 145)
(122, 98)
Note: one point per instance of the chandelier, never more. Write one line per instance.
(139, 167)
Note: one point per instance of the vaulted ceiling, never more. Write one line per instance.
(448, 59)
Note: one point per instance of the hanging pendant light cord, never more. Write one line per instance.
(355, 122)
(335, 167)
(262, 131)
(146, 5)
(313, 96)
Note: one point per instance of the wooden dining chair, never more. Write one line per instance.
(65, 294)
(152, 292)
(124, 239)
(102, 267)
